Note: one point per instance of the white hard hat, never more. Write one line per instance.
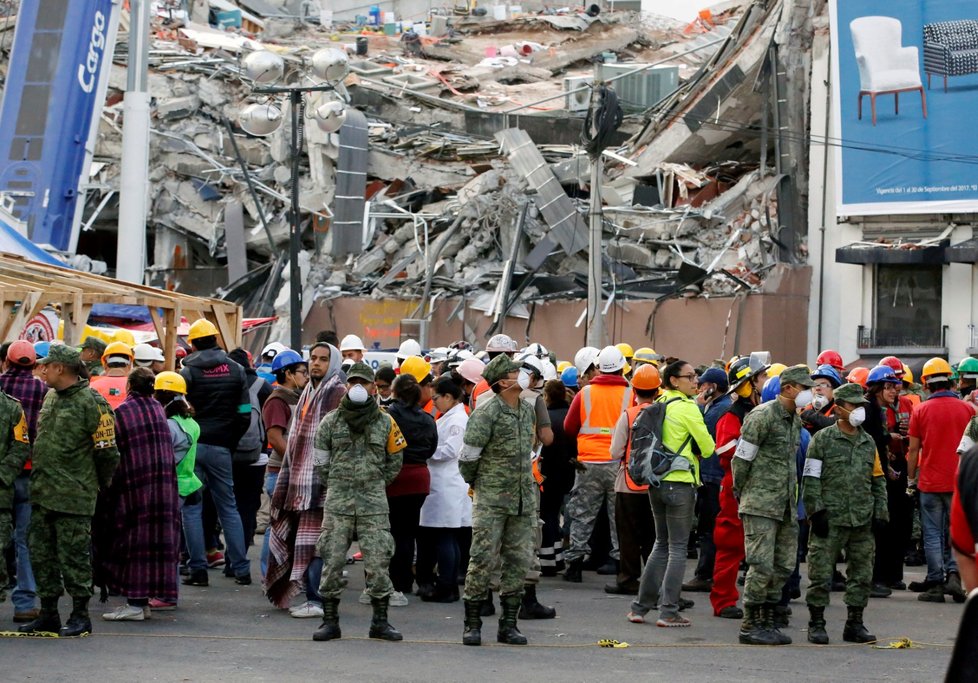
(530, 362)
(408, 348)
(352, 342)
(146, 353)
(501, 343)
(537, 349)
(347, 364)
(549, 371)
(272, 349)
(439, 354)
(610, 360)
(585, 358)
(471, 369)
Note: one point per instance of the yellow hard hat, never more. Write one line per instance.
(170, 381)
(646, 355)
(907, 374)
(934, 367)
(124, 336)
(417, 367)
(626, 350)
(117, 348)
(626, 370)
(563, 365)
(201, 328)
(776, 369)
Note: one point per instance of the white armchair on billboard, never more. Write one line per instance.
(885, 65)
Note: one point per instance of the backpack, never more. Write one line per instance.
(650, 459)
(251, 444)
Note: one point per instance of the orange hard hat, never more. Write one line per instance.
(858, 376)
(647, 378)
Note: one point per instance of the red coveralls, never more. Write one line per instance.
(728, 532)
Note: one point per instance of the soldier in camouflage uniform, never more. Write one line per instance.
(845, 498)
(91, 354)
(14, 451)
(73, 457)
(970, 437)
(357, 455)
(495, 461)
(765, 482)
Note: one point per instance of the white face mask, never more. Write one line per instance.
(523, 379)
(819, 402)
(358, 394)
(803, 398)
(857, 416)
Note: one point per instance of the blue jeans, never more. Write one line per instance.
(270, 480)
(935, 523)
(213, 467)
(193, 531)
(23, 596)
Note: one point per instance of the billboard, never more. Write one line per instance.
(905, 93)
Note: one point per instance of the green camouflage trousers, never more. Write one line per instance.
(593, 487)
(533, 573)
(6, 532)
(376, 544)
(499, 538)
(61, 553)
(860, 547)
(770, 548)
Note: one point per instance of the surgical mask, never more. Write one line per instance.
(819, 402)
(358, 394)
(523, 379)
(803, 398)
(857, 416)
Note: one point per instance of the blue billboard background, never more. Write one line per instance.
(906, 163)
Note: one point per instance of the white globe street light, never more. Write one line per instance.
(330, 64)
(260, 119)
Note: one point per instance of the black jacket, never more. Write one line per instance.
(555, 459)
(419, 430)
(217, 388)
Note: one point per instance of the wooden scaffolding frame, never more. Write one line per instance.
(26, 287)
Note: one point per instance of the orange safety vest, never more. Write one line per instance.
(632, 413)
(601, 406)
(112, 389)
(913, 398)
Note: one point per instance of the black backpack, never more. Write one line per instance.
(650, 459)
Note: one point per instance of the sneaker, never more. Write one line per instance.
(398, 599)
(897, 586)
(215, 558)
(677, 621)
(125, 612)
(685, 604)
(162, 605)
(635, 618)
(307, 610)
(880, 591)
(243, 579)
(364, 598)
(698, 585)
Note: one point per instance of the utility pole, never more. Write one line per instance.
(133, 184)
(595, 327)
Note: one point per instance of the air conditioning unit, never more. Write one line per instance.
(577, 101)
(641, 90)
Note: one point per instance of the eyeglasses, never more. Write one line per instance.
(301, 371)
(691, 376)
(823, 385)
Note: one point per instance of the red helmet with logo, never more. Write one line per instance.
(894, 364)
(830, 357)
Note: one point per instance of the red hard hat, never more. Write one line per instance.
(895, 364)
(22, 353)
(181, 352)
(829, 357)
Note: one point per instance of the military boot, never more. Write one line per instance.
(573, 572)
(767, 615)
(330, 628)
(379, 626)
(48, 621)
(473, 623)
(855, 630)
(782, 615)
(508, 633)
(78, 622)
(816, 626)
(752, 631)
(486, 608)
(531, 607)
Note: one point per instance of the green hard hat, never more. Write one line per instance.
(968, 367)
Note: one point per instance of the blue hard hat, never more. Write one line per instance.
(829, 373)
(772, 387)
(284, 359)
(41, 348)
(569, 377)
(883, 373)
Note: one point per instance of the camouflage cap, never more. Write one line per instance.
(60, 353)
(850, 393)
(93, 343)
(498, 368)
(797, 374)
(360, 370)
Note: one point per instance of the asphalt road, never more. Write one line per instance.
(231, 633)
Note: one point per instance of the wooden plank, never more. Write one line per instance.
(168, 341)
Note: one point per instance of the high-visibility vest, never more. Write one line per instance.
(632, 413)
(601, 406)
(112, 389)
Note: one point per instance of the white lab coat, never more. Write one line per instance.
(448, 503)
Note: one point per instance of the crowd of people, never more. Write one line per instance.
(461, 473)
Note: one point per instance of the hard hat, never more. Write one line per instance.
(272, 349)
(859, 376)
(647, 378)
(417, 367)
(352, 342)
(538, 350)
(772, 387)
(201, 328)
(626, 350)
(501, 343)
(610, 359)
(883, 374)
(894, 364)
(530, 363)
(458, 356)
(968, 367)
(22, 353)
(117, 348)
(775, 370)
(471, 370)
(439, 354)
(646, 355)
(460, 345)
(124, 336)
(146, 353)
(907, 374)
(829, 373)
(829, 357)
(738, 374)
(585, 358)
(180, 352)
(284, 359)
(569, 377)
(563, 365)
(408, 348)
(938, 368)
(170, 381)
